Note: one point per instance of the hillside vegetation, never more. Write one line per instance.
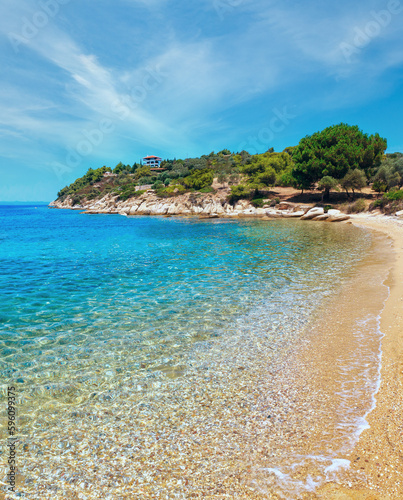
(340, 157)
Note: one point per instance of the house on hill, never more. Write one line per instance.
(152, 161)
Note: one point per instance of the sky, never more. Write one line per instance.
(93, 82)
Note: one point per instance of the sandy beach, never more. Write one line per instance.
(376, 471)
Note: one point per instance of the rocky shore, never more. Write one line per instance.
(208, 205)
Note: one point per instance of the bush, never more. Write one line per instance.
(145, 180)
(379, 186)
(94, 193)
(199, 179)
(257, 202)
(157, 185)
(239, 192)
(274, 202)
(127, 192)
(207, 189)
(357, 207)
(172, 190)
(390, 202)
(394, 195)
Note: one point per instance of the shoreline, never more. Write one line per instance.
(375, 461)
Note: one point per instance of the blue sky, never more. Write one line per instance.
(91, 83)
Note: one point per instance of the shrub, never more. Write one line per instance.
(93, 194)
(379, 186)
(390, 202)
(394, 195)
(207, 189)
(157, 185)
(127, 192)
(257, 202)
(171, 190)
(145, 180)
(199, 179)
(239, 192)
(378, 204)
(357, 207)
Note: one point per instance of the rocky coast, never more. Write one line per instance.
(207, 205)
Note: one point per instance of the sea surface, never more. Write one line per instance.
(159, 357)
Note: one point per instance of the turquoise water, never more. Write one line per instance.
(93, 307)
(76, 287)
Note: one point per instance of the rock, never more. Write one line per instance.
(339, 218)
(208, 209)
(260, 211)
(322, 217)
(285, 205)
(298, 213)
(399, 213)
(313, 212)
(142, 207)
(249, 211)
(271, 212)
(333, 211)
(133, 210)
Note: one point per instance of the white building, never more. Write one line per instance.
(152, 161)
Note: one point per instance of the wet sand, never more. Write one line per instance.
(376, 471)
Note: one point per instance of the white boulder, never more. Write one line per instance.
(313, 212)
(339, 218)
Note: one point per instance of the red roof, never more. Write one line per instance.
(149, 157)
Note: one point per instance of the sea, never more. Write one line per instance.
(173, 357)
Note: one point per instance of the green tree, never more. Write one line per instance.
(143, 171)
(387, 175)
(326, 184)
(354, 180)
(333, 152)
(119, 168)
(266, 169)
(199, 179)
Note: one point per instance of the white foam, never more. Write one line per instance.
(337, 463)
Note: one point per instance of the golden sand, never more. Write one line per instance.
(376, 471)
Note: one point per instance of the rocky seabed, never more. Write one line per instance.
(205, 206)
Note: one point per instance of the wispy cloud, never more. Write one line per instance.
(174, 77)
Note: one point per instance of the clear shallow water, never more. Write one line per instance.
(97, 309)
